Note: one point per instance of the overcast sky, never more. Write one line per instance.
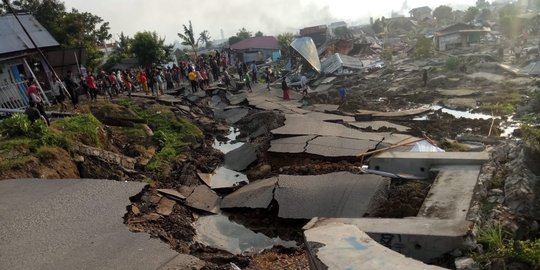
(271, 17)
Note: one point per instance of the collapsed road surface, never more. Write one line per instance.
(74, 224)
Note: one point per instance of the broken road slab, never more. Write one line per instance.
(403, 113)
(344, 246)
(203, 198)
(240, 158)
(339, 147)
(340, 194)
(296, 144)
(231, 115)
(376, 125)
(258, 194)
(73, 224)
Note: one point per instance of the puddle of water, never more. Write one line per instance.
(231, 144)
(464, 114)
(225, 178)
(509, 127)
(457, 114)
(219, 232)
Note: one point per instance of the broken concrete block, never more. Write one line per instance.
(258, 194)
(171, 193)
(239, 159)
(203, 198)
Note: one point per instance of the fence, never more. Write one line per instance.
(13, 96)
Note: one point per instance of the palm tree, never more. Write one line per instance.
(188, 38)
(204, 36)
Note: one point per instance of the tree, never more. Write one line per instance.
(234, 39)
(243, 34)
(482, 4)
(188, 38)
(443, 13)
(284, 41)
(204, 36)
(423, 48)
(150, 49)
(510, 24)
(259, 34)
(471, 14)
(378, 26)
(121, 51)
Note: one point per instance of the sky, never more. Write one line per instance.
(166, 17)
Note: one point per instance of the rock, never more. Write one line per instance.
(135, 210)
(78, 158)
(165, 206)
(152, 217)
(466, 263)
(495, 191)
(498, 264)
(260, 171)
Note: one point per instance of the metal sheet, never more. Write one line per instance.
(15, 40)
(338, 61)
(307, 49)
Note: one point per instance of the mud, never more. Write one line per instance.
(404, 199)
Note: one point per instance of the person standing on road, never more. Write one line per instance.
(285, 89)
(58, 92)
(425, 77)
(248, 82)
(342, 95)
(144, 81)
(33, 96)
(192, 76)
(254, 72)
(72, 88)
(92, 87)
(267, 78)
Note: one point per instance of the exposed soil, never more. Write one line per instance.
(404, 199)
(56, 164)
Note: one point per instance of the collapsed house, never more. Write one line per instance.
(458, 35)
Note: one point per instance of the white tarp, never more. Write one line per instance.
(306, 47)
(424, 146)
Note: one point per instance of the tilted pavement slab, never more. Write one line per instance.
(344, 246)
(339, 147)
(376, 125)
(75, 224)
(296, 144)
(341, 194)
(258, 194)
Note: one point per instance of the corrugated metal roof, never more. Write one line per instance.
(337, 61)
(306, 47)
(13, 39)
(257, 43)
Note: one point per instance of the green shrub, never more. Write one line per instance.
(453, 63)
(424, 48)
(15, 126)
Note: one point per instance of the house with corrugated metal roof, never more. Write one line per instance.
(257, 49)
(19, 59)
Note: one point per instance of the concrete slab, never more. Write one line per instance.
(469, 103)
(203, 198)
(223, 178)
(258, 194)
(340, 194)
(376, 125)
(232, 115)
(73, 224)
(295, 144)
(343, 246)
(236, 99)
(219, 232)
(240, 158)
(457, 92)
(305, 125)
(171, 193)
(322, 107)
(339, 147)
(420, 239)
(184, 261)
(404, 113)
(451, 193)
(420, 163)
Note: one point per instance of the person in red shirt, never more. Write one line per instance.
(34, 97)
(144, 81)
(92, 87)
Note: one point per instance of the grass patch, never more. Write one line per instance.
(500, 246)
(451, 146)
(499, 108)
(13, 163)
(84, 128)
(172, 135)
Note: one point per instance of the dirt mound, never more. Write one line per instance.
(50, 163)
